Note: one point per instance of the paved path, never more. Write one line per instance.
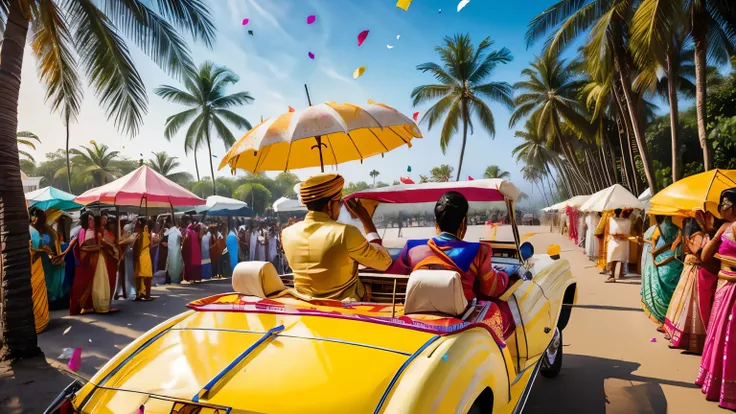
(609, 366)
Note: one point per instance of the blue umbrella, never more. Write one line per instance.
(50, 197)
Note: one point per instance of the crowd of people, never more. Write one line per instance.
(83, 268)
(687, 265)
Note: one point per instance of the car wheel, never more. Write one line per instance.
(475, 409)
(552, 357)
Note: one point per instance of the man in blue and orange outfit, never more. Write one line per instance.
(448, 251)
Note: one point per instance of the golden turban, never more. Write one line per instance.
(321, 186)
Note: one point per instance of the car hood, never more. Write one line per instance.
(299, 369)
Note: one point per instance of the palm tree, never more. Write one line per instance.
(165, 165)
(69, 36)
(606, 24)
(549, 93)
(461, 90)
(94, 165)
(493, 171)
(535, 153)
(209, 108)
(373, 175)
(26, 138)
(440, 174)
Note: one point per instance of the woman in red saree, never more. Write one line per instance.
(192, 253)
(717, 375)
(110, 251)
(87, 251)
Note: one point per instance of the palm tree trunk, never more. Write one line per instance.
(568, 150)
(68, 164)
(196, 165)
(549, 182)
(701, 47)
(625, 129)
(17, 323)
(604, 161)
(566, 187)
(212, 168)
(638, 135)
(541, 190)
(672, 76)
(465, 139)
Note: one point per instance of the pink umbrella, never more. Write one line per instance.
(142, 187)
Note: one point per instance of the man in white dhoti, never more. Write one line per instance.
(619, 229)
(591, 242)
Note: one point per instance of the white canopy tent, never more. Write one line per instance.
(288, 205)
(577, 201)
(611, 198)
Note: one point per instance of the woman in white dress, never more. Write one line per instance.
(591, 242)
(619, 229)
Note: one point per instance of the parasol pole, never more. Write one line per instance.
(318, 137)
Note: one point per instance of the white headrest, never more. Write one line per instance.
(257, 279)
(431, 291)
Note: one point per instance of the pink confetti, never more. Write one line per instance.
(653, 340)
(141, 409)
(415, 116)
(362, 36)
(311, 18)
(75, 362)
(311, 55)
(245, 21)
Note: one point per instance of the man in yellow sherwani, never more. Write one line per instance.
(324, 254)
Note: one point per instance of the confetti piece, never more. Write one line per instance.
(123, 146)
(291, 109)
(462, 4)
(358, 72)
(75, 362)
(92, 142)
(415, 116)
(141, 409)
(130, 324)
(371, 101)
(311, 55)
(470, 178)
(66, 353)
(245, 21)
(311, 18)
(440, 11)
(90, 341)
(445, 358)
(250, 32)
(389, 46)
(403, 4)
(398, 37)
(66, 331)
(408, 168)
(653, 340)
(361, 37)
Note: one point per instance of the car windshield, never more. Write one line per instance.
(486, 221)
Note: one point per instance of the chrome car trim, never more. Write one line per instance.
(314, 338)
(401, 370)
(213, 382)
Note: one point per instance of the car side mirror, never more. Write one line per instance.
(526, 250)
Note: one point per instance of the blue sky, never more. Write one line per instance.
(273, 66)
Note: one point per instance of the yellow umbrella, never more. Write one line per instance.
(323, 134)
(696, 192)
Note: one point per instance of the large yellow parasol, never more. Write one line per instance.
(323, 134)
(696, 192)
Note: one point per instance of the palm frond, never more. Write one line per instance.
(176, 95)
(451, 125)
(153, 34)
(56, 65)
(500, 92)
(438, 72)
(233, 118)
(109, 66)
(652, 27)
(194, 139)
(438, 110)
(26, 154)
(190, 15)
(550, 18)
(425, 93)
(223, 131)
(577, 24)
(175, 122)
(489, 63)
(235, 99)
(484, 114)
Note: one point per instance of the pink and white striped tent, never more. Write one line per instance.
(142, 188)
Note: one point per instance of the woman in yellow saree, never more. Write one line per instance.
(38, 280)
(143, 265)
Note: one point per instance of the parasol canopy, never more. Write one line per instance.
(287, 205)
(611, 198)
(142, 187)
(50, 197)
(323, 134)
(696, 192)
(576, 202)
(224, 206)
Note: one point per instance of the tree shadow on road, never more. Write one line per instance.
(30, 385)
(599, 385)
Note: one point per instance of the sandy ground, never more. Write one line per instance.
(610, 364)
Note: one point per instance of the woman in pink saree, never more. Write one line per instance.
(717, 375)
(192, 253)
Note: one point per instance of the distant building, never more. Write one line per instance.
(30, 183)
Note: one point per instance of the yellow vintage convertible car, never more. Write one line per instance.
(418, 347)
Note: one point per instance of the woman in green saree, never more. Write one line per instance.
(661, 268)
